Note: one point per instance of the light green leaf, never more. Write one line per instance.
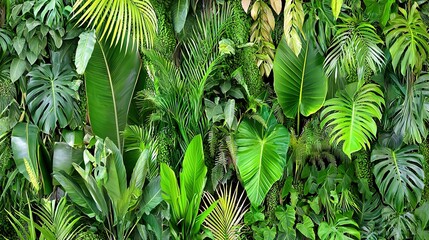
(336, 7)
(180, 12)
(287, 221)
(229, 111)
(17, 68)
(261, 155)
(84, 50)
(306, 228)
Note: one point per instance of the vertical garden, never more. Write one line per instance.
(214, 119)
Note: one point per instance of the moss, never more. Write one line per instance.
(239, 30)
(424, 150)
(165, 40)
(272, 201)
(5, 157)
(166, 145)
(7, 93)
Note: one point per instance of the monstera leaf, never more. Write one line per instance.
(299, 81)
(407, 38)
(261, 154)
(399, 175)
(110, 79)
(52, 94)
(342, 228)
(351, 114)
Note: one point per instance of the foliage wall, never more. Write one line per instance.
(218, 119)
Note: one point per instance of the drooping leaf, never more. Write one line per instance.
(399, 175)
(351, 114)
(110, 80)
(261, 155)
(293, 22)
(245, 4)
(299, 82)
(276, 5)
(180, 12)
(84, 50)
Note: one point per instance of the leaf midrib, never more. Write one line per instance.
(113, 93)
(302, 80)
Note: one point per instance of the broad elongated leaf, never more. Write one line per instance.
(52, 93)
(180, 12)
(64, 156)
(261, 155)
(116, 183)
(193, 175)
(407, 38)
(299, 82)
(84, 50)
(342, 228)
(17, 68)
(399, 175)
(151, 196)
(110, 77)
(351, 114)
(25, 148)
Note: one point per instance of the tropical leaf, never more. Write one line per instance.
(52, 95)
(287, 221)
(379, 10)
(336, 7)
(116, 182)
(342, 228)
(25, 148)
(180, 12)
(151, 196)
(407, 37)
(299, 82)
(84, 50)
(398, 225)
(110, 80)
(354, 48)
(293, 22)
(351, 114)
(63, 157)
(306, 227)
(399, 175)
(225, 219)
(50, 12)
(128, 22)
(17, 68)
(261, 155)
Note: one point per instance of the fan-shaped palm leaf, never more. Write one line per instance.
(407, 37)
(119, 20)
(354, 48)
(261, 155)
(351, 115)
(399, 175)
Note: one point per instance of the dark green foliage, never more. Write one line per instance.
(6, 229)
(272, 201)
(7, 93)
(89, 235)
(424, 150)
(363, 166)
(165, 145)
(165, 40)
(5, 157)
(239, 31)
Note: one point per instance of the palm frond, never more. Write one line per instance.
(122, 21)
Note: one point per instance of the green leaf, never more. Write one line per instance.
(299, 82)
(180, 12)
(351, 115)
(407, 38)
(116, 184)
(342, 228)
(64, 156)
(51, 98)
(25, 148)
(17, 68)
(18, 44)
(84, 50)
(170, 187)
(111, 77)
(336, 7)
(306, 228)
(399, 175)
(151, 196)
(193, 174)
(229, 112)
(287, 221)
(261, 155)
